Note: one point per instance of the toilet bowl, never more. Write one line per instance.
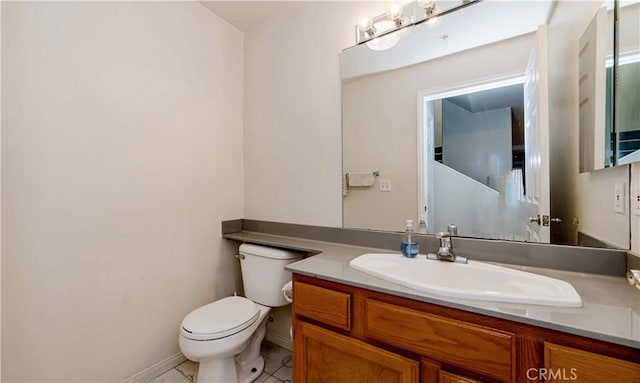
(225, 336)
(227, 346)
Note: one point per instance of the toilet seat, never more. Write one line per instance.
(220, 319)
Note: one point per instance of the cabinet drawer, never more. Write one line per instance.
(565, 363)
(323, 305)
(487, 351)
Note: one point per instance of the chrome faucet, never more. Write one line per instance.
(445, 252)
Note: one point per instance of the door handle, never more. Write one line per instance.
(545, 220)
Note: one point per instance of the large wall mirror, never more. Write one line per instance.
(609, 86)
(450, 122)
(627, 126)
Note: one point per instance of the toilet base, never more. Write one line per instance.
(226, 370)
(244, 367)
(251, 372)
(217, 371)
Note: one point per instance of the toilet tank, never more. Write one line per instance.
(263, 273)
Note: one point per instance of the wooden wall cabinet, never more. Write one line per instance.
(345, 334)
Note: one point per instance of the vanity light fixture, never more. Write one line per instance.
(384, 41)
(365, 25)
(376, 30)
(395, 14)
(380, 33)
(385, 30)
(429, 6)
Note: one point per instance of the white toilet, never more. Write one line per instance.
(225, 336)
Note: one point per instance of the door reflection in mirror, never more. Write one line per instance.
(478, 150)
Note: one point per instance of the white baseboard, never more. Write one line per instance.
(280, 340)
(157, 369)
(175, 360)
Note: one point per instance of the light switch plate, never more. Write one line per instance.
(385, 185)
(619, 196)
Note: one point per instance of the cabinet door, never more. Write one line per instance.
(432, 373)
(446, 377)
(324, 356)
(565, 363)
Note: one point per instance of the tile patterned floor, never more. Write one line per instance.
(277, 368)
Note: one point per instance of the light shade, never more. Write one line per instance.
(386, 41)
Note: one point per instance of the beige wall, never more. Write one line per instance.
(121, 154)
(595, 206)
(292, 112)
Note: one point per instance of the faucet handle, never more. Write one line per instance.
(445, 239)
(443, 234)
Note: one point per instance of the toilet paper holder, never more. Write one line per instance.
(287, 291)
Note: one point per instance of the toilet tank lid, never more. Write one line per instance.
(268, 252)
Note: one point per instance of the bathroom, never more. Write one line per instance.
(131, 130)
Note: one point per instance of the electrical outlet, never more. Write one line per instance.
(385, 185)
(619, 196)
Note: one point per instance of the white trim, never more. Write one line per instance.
(157, 369)
(629, 57)
(474, 86)
(421, 168)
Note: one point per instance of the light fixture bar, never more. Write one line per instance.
(405, 16)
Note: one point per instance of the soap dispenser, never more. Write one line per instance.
(409, 246)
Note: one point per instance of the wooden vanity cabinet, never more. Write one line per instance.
(567, 363)
(323, 356)
(330, 307)
(445, 377)
(481, 349)
(433, 372)
(345, 334)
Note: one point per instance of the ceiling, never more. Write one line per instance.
(244, 14)
(511, 96)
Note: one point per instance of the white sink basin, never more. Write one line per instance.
(475, 280)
